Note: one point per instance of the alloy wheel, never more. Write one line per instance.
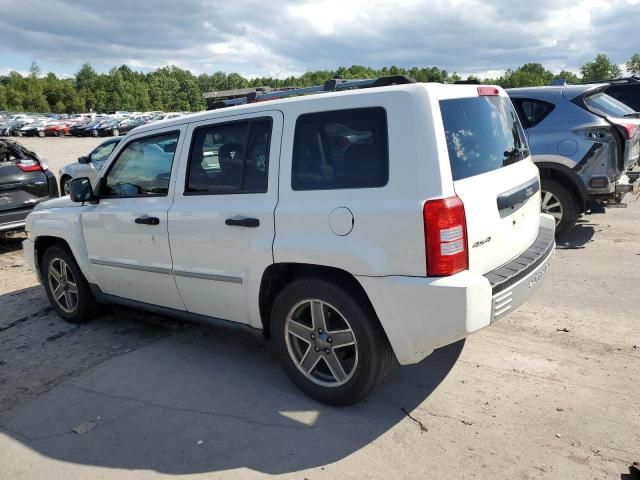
(321, 343)
(63, 286)
(66, 186)
(552, 205)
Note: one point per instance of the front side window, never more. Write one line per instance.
(341, 149)
(101, 153)
(230, 158)
(142, 168)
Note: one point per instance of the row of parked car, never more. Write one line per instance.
(356, 223)
(84, 125)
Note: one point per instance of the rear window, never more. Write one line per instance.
(607, 105)
(627, 94)
(483, 134)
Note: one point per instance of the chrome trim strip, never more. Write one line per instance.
(141, 268)
(206, 276)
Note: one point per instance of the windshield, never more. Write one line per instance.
(607, 105)
(483, 134)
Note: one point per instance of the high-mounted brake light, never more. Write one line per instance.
(445, 235)
(488, 91)
(29, 166)
(629, 130)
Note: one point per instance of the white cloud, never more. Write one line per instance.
(280, 38)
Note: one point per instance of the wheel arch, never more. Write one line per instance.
(278, 275)
(569, 178)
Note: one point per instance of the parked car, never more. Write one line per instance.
(25, 181)
(35, 129)
(424, 231)
(583, 141)
(57, 129)
(12, 127)
(116, 127)
(90, 129)
(88, 165)
(76, 129)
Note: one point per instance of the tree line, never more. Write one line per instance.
(175, 89)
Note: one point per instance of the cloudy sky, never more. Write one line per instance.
(283, 37)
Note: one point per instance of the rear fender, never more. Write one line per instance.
(558, 166)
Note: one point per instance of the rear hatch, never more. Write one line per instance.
(23, 182)
(624, 119)
(493, 175)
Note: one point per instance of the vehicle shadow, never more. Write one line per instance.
(11, 243)
(207, 400)
(578, 237)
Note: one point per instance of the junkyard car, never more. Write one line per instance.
(25, 181)
(350, 226)
(88, 165)
(583, 141)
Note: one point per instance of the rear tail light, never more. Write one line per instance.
(445, 234)
(629, 130)
(30, 166)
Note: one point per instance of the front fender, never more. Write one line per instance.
(65, 225)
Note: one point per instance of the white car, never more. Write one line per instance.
(87, 166)
(417, 228)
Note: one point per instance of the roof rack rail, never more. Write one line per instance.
(621, 80)
(229, 98)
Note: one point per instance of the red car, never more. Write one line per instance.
(57, 130)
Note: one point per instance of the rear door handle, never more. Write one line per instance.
(242, 222)
(147, 220)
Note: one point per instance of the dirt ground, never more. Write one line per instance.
(552, 391)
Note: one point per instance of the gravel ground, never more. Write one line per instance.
(550, 392)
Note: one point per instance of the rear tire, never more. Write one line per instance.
(557, 200)
(66, 287)
(65, 184)
(338, 355)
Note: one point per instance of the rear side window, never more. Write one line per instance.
(483, 134)
(230, 158)
(532, 112)
(341, 149)
(607, 105)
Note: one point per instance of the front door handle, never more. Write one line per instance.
(243, 222)
(147, 220)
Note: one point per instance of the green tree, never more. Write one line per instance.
(570, 77)
(633, 65)
(528, 75)
(602, 68)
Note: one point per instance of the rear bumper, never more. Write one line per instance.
(13, 219)
(420, 314)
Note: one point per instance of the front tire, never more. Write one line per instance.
(66, 287)
(558, 201)
(329, 341)
(115, 132)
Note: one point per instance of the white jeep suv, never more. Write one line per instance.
(352, 226)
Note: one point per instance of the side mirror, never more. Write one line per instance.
(83, 159)
(80, 190)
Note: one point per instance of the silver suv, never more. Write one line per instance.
(583, 141)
